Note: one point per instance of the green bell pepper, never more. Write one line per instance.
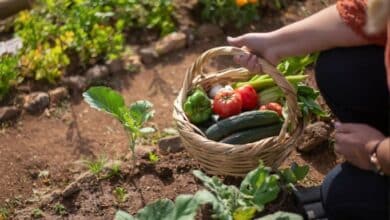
(198, 106)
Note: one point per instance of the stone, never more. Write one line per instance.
(115, 66)
(143, 151)
(75, 83)
(11, 46)
(8, 113)
(96, 72)
(171, 42)
(71, 189)
(209, 31)
(315, 135)
(36, 102)
(148, 55)
(58, 94)
(133, 63)
(171, 144)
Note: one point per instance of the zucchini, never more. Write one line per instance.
(240, 122)
(254, 134)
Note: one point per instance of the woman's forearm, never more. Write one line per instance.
(321, 31)
(383, 154)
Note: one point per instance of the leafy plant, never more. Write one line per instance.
(60, 209)
(120, 194)
(307, 97)
(132, 118)
(9, 73)
(238, 12)
(153, 157)
(259, 187)
(96, 166)
(115, 170)
(4, 213)
(296, 65)
(37, 213)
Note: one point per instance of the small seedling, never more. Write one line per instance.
(120, 194)
(60, 209)
(96, 166)
(132, 118)
(115, 170)
(37, 213)
(4, 213)
(153, 158)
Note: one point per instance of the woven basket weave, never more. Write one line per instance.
(235, 160)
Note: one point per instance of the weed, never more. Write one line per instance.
(153, 158)
(120, 194)
(4, 213)
(60, 209)
(96, 166)
(37, 213)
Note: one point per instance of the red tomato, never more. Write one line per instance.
(227, 103)
(249, 97)
(273, 106)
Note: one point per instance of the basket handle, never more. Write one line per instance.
(290, 93)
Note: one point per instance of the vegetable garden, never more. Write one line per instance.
(87, 94)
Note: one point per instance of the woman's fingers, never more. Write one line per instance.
(249, 61)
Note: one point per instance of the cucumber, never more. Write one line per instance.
(252, 135)
(240, 122)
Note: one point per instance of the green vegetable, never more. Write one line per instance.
(240, 122)
(296, 65)
(307, 101)
(252, 135)
(198, 107)
(272, 94)
(260, 83)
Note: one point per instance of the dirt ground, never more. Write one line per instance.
(57, 141)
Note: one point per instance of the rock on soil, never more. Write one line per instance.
(171, 42)
(36, 102)
(115, 66)
(144, 151)
(9, 113)
(10, 46)
(315, 135)
(96, 72)
(58, 94)
(148, 55)
(170, 145)
(75, 83)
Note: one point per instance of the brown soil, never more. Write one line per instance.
(57, 140)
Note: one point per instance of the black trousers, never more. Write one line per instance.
(353, 84)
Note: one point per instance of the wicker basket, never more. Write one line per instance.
(235, 160)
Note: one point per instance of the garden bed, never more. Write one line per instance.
(39, 152)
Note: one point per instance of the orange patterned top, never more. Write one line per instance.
(353, 12)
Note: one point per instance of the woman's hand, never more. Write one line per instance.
(257, 44)
(356, 142)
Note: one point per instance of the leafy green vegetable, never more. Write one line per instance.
(9, 73)
(307, 101)
(281, 216)
(296, 65)
(132, 118)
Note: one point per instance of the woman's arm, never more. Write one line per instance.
(383, 154)
(321, 31)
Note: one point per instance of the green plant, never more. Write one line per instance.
(37, 213)
(9, 73)
(238, 12)
(4, 213)
(115, 170)
(259, 187)
(96, 166)
(120, 194)
(60, 209)
(132, 118)
(153, 157)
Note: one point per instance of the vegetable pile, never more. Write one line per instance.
(245, 112)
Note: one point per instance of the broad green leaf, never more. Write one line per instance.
(104, 99)
(289, 176)
(281, 216)
(300, 172)
(254, 179)
(121, 215)
(186, 207)
(268, 192)
(141, 111)
(244, 213)
(162, 209)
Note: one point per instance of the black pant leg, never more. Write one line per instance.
(353, 83)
